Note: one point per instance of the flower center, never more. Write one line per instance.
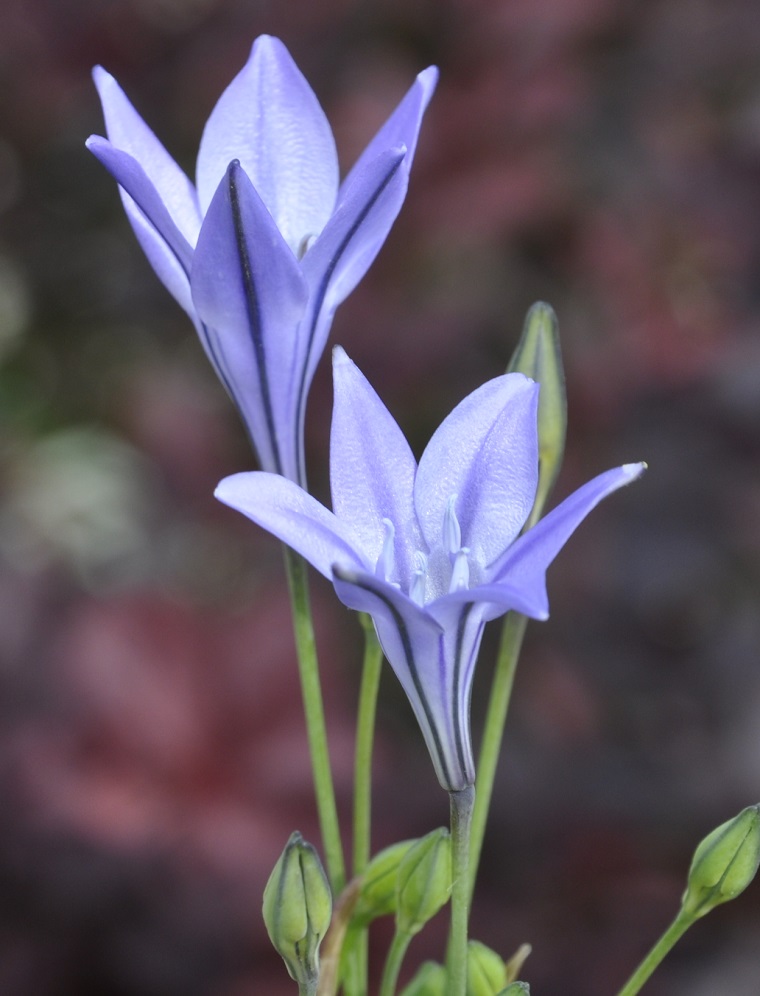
(446, 567)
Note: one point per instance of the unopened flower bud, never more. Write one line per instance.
(432, 979)
(486, 972)
(539, 357)
(724, 863)
(424, 881)
(297, 909)
(377, 894)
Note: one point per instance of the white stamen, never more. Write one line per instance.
(452, 532)
(385, 561)
(460, 572)
(419, 579)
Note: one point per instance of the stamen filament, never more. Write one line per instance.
(452, 532)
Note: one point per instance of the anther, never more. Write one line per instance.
(305, 244)
(384, 565)
(460, 571)
(419, 579)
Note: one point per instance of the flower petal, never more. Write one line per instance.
(369, 201)
(270, 119)
(486, 453)
(168, 251)
(248, 288)
(493, 599)
(288, 512)
(127, 131)
(351, 239)
(524, 564)
(401, 128)
(434, 666)
(372, 469)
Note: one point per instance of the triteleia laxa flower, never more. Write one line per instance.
(431, 551)
(267, 243)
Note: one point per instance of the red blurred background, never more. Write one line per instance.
(603, 155)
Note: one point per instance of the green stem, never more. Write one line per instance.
(396, 953)
(365, 737)
(461, 804)
(674, 932)
(355, 979)
(311, 690)
(501, 691)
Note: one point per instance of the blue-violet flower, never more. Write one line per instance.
(431, 552)
(262, 251)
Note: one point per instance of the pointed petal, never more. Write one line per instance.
(524, 564)
(370, 198)
(369, 201)
(434, 666)
(127, 131)
(247, 287)
(348, 242)
(168, 251)
(353, 236)
(486, 453)
(401, 128)
(372, 469)
(270, 119)
(494, 600)
(289, 513)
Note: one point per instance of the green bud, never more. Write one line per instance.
(424, 881)
(538, 356)
(377, 894)
(724, 863)
(486, 972)
(298, 908)
(431, 980)
(516, 989)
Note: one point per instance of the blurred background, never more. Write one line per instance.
(603, 155)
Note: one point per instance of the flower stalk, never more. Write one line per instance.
(365, 736)
(461, 804)
(510, 644)
(668, 940)
(316, 730)
(355, 981)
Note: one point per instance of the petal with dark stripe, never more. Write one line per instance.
(434, 663)
(248, 288)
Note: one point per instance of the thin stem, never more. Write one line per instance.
(461, 804)
(365, 737)
(393, 962)
(674, 932)
(355, 979)
(311, 690)
(501, 691)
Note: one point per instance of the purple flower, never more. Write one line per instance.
(431, 552)
(262, 251)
